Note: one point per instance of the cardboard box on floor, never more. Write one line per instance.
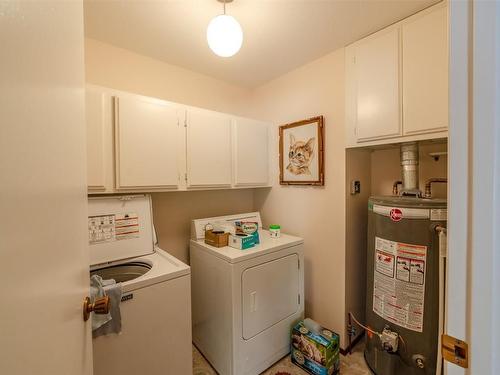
(316, 354)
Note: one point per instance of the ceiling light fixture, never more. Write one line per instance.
(224, 34)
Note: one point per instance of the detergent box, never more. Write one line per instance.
(248, 227)
(241, 241)
(316, 354)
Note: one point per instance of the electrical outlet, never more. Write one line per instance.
(355, 187)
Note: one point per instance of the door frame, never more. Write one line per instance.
(472, 312)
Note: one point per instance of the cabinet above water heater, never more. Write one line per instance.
(397, 82)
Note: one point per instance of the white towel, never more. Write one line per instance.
(97, 291)
(111, 322)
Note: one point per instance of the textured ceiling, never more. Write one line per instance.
(279, 35)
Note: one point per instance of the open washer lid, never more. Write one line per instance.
(119, 227)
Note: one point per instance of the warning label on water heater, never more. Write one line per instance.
(399, 283)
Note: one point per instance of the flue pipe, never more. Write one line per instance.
(409, 169)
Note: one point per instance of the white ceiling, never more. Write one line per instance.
(279, 35)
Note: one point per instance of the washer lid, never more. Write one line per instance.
(119, 227)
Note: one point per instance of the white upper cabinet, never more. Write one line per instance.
(136, 143)
(425, 73)
(377, 95)
(208, 156)
(146, 143)
(99, 140)
(250, 150)
(397, 82)
(94, 104)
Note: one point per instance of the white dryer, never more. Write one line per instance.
(245, 302)
(156, 303)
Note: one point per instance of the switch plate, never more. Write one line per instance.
(355, 187)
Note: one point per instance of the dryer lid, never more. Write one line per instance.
(120, 227)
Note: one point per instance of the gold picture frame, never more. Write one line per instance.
(301, 152)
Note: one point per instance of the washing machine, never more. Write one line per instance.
(155, 305)
(245, 302)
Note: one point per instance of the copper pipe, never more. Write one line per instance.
(395, 190)
(428, 185)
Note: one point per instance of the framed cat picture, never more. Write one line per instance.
(301, 152)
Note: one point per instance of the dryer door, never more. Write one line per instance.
(270, 293)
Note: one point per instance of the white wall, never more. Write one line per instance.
(315, 213)
(107, 65)
(110, 66)
(174, 211)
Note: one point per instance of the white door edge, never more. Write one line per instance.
(473, 306)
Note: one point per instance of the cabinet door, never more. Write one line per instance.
(250, 152)
(95, 119)
(147, 150)
(377, 94)
(425, 73)
(208, 149)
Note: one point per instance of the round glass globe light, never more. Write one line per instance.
(224, 35)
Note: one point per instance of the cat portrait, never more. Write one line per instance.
(300, 155)
(301, 152)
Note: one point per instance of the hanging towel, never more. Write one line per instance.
(97, 291)
(111, 322)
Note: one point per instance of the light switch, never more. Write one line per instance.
(355, 187)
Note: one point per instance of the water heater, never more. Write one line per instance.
(403, 283)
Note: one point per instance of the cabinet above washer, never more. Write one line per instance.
(146, 145)
(137, 143)
(208, 154)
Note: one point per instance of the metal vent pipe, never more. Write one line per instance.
(409, 169)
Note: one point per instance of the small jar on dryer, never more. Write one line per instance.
(275, 230)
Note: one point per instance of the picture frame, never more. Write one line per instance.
(301, 152)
